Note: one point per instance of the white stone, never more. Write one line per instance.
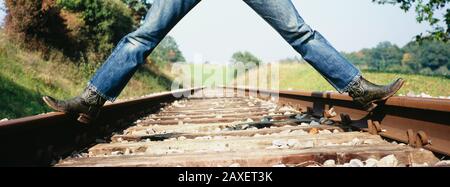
(304, 125)
(356, 163)
(355, 141)
(336, 131)
(371, 162)
(346, 165)
(425, 95)
(411, 94)
(127, 152)
(116, 153)
(388, 161)
(292, 142)
(329, 163)
(369, 142)
(443, 163)
(235, 165)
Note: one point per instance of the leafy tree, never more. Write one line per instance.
(167, 51)
(429, 57)
(357, 58)
(138, 8)
(429, 54)
(383, 56)
(105, 23)
(425, 10)
(246, 58)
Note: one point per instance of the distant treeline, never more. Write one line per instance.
(428, 57)
(81, 30)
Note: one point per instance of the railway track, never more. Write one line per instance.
(235, 127)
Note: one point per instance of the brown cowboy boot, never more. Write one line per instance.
(86, 106)
(368, 94)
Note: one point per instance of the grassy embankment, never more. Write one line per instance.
(25, 77)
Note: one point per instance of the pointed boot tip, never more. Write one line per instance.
(400, 82)
(46, 99)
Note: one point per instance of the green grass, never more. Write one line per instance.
(298, 76)
(25, 77)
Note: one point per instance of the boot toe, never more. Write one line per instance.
(52, 103)
(395, 86)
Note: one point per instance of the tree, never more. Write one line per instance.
(246, 58)
(429, 54)
(138, 8)
(429, 57)
(425, 10)
(105, 22)
(383, 56)
(167, 51)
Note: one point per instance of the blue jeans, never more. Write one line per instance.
(134, 48)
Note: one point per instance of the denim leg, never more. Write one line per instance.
(315, 49)
(134, 48)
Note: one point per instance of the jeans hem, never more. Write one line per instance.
(353, 82)
(94, 88)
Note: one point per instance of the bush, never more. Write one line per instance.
(105, 23)
(38, 25)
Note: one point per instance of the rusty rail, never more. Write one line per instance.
(421, 122)
(43, 139)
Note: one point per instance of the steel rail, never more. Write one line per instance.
(421, 122)
(40, 140)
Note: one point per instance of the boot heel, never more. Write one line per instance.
(369, 107)
(85, 119)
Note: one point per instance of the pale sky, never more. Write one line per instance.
(215, 29)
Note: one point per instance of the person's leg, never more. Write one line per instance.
(126, 58)
(131, 52)
(317, 51)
